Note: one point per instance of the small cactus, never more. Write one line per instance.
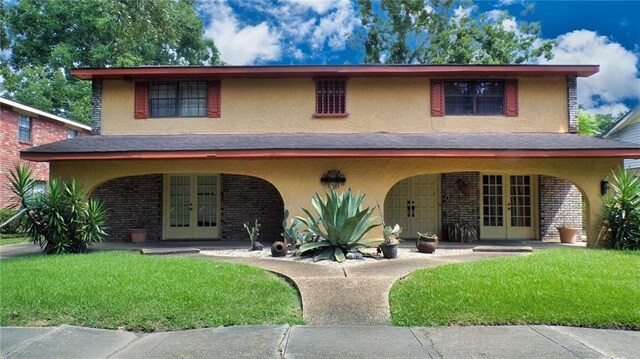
(253, 233)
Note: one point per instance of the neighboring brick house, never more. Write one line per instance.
(193, 152)
(627, 129)
(22, 127)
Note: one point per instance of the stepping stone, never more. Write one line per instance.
(164, 251)
(504, 249)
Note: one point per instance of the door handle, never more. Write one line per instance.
(413, 209)
(408, 208)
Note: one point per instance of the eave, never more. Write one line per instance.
(289, 154)
(432, 71)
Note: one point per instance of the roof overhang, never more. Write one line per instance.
(230, 72)
(331, 145)
(18, 107)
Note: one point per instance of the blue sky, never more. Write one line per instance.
(272, 32)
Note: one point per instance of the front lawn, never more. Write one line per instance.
(577, 287)
(12, 240)
(141, 293)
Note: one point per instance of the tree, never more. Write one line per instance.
(50, 37)
(434, 32)
(597, 124)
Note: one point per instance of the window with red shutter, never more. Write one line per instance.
(213, 99)
(331, 98)
(141, 102)
(477, 97)
(437, 98)
(511, 98)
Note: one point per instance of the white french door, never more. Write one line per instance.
(508, 206)
(413, 203)
(191, 206)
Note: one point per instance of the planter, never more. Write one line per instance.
(568, 235)
(138, 235)
(427, 244)
(389, 251)
(279, 249)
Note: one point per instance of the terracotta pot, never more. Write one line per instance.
(568, 235)
(138, 235)
(426, 245)
(279, 249)
(389, 251)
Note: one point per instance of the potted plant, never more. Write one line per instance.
(254, 232)
(427, 243)
(568, 234)
(138, 233)
(391, 240)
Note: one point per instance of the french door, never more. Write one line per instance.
(191, 206)
(508, 206)
(413, 203)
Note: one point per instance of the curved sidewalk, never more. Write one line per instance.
(354, 295)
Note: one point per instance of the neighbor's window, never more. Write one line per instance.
(474, 97)
(71, 133)
(331, 97)
(24, 129)
(178, 99)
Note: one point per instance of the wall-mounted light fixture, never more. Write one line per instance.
(604, 187)
(333, 178)
(463, 187)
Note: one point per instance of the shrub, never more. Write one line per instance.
(60, 220)
(340, 226)
(621, 212)
(12, 227)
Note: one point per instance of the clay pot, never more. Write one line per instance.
(138, 235)
(426, 245)
(568, 235)
(279, 249)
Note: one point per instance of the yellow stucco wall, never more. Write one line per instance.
(298, 179)
(374, 105)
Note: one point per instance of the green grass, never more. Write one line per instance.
(12, 240)
(591, 288)
(141, 293)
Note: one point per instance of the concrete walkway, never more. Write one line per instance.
(321, 342)
(357, 295)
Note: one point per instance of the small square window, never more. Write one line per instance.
(331, 98)
(71, 133)
(24, 129)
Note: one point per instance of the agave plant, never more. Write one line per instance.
(621, 212)
(61, 220)
(340, 226)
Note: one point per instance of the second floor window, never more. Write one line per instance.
(178, 99)
(71, 133)
(24, 129)
(331, 97)
(474, 97)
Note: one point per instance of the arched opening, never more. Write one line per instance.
(191, 206)
(498, 205)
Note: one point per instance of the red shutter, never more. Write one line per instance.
(437, 98)
(511, 98)
(141, 102)
(213, 99)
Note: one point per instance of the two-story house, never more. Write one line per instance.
(627, 129)
(23, 127)
(193, 152)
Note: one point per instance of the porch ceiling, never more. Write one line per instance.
(332, 145)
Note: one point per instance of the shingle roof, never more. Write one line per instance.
(331, 141)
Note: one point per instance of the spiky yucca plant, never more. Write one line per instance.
(621, 212)
(60, 220)
(340, 226)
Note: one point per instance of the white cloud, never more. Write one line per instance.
(618, 77)
(240, 44)
(335, 27)
(319, 6)
(461, 12)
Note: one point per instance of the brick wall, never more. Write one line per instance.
(43, 131)
(96, 107)
(572, 97)
(245, 199)
(560, 204)
(455, 204)
(131, 202)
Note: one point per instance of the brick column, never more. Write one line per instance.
(560, 204)
(572, 97)
(456, 206)
(96, 105)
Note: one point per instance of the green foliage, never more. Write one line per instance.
(293, 233)
(49, 38)
(391, 234)
(253, 231)
(118, 290)
(460, 231)
(621, 212)
(340, 226)
(565, 286)
(12, 227)
(428, 32)
(595, 125)
(61, 220)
